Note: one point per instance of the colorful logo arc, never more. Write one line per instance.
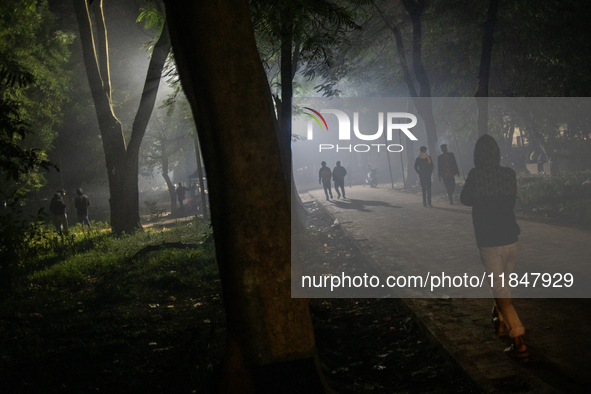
(315, 118)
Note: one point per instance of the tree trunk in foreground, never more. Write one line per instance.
(270, 337)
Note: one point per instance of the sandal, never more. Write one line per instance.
(512, 352)
(517, 350)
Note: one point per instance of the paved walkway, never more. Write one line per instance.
(399, 236)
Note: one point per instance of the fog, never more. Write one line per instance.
(78, 149)
(79, 152)
(388, 156)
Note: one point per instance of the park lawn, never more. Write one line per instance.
(91, 317)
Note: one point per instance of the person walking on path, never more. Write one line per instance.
(81, 204)
(350, 177)
(57, 207)
(324, 175)
(491, 191)
(180, 194)
(424, 167)
(447, 169)
(338, 175)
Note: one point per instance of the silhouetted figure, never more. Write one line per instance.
(180, 195)
(491, 191)
(541, 161)
(424, 167)
(57, 207)
(338, 176)
(81, 204)
(447, 168)
(324, 175)
(350, 175)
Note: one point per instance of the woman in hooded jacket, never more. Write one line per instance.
(491, 191)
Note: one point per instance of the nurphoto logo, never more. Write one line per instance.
(344, 132)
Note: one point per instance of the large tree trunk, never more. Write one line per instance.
(269, 334)
(423, 104)
(122, 161)
(410, 156)
(169, 184)
(484, 70)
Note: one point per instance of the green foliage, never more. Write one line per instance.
(566, 197)
(22, 240)
(31, 253)
(316, 28)
(101, 255)
(16, 161)
(33, 87)
(152, 17)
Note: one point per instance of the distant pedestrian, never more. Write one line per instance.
(324, 175)
(180, 194)
(349, 175)
(491, 191)
(424, 167)
(57, 207)
(338, 176)
(81, 204)
(447, 169)
(541, 161)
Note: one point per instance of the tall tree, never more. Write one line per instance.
(162, 145)
(270, 339)
(484, 70)
(122, 157)
(307, 31)
(416, 10)
(408, 79)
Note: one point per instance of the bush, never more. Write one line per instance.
(22, 241)
(565, 197)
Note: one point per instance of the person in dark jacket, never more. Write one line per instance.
(338, 176)
(324, 175)
(57, 207)
(180, 194)
(81, 204)
(491, 191)
(424, 167)
(447, 169)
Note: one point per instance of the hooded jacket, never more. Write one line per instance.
(491, 191)
(81, 203)
(57, 205)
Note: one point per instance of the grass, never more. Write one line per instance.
(70, 262)
(86, 315)
(90, 318)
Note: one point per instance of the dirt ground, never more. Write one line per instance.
(172, 340)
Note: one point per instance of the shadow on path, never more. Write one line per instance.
(361, 205)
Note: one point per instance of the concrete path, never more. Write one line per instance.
(401, 237)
